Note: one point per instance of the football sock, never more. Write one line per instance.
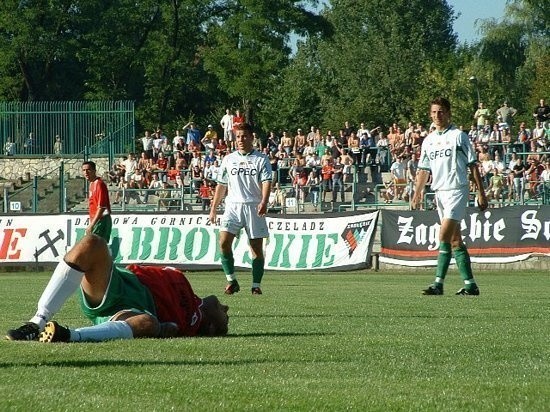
(443, 261)
(228, 266)
(464, 265)
(64, 282)
(257, 270)
(117, 329)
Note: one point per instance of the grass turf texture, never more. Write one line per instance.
(356, 340)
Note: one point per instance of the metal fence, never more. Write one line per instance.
(32, 128)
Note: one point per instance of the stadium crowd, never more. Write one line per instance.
(514, 161)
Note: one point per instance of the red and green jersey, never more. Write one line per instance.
(99, 197)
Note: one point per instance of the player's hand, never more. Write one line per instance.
(482, 202)
(262, 209)
(213, 216)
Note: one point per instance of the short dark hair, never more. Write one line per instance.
(89, 163)
(443, 102)
(244, 126)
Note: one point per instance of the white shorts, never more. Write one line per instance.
(244, 215)
(451, 204)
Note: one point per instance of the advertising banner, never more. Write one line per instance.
(339, 241)
(499, 235)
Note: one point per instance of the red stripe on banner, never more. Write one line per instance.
(474, 252)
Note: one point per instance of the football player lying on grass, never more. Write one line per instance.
(122, 303)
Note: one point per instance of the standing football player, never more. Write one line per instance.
(99, 204)
(245, 175)
(448, 154)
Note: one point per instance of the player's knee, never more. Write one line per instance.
(88, 249)
(144, 326)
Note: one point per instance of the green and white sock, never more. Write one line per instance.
(464, 265)
(443, 262)
(257, 270)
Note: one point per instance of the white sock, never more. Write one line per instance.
(231, 277)
(117, 329)
(64, 282)
(256, 285)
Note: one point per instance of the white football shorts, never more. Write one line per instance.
(451, 204)
(244, 215)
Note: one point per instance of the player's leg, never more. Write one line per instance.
(464, 264)
(258, 264)
(91, 256)
(126, 324)
(445, 204)
(228, 262)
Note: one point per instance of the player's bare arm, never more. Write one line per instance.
(481, 196)
(422, 177)
(266, 190)
(218, 196)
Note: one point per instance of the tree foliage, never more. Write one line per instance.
(376, 61)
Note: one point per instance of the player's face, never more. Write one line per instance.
(88, 172)
(244, 140)
(440, 116)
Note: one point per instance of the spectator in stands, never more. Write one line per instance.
(165, 195)
(154, 186)
(222, 149)
(9, 147)
(278, 196)
(347, 163)
(314, 183)
(505, 115)
(383, 151)
(210, 139)
(205, 195)
(532, 173)
(354, 143)
(226, 123)
(210, 157)
(130, 166)
(542, 111)
(193, 135)
(337, 181)
(57, 145)
(29, 144)
(399, 177)
(300, 188)
(496, 186)
(147, 143)
(273, 142)
(287, 144)
(410, 170)
(518, 172)
(161, 167)
(482, 114)
(299, 142)
(326, 174)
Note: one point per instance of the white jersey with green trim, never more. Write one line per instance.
(243, 174)
(447, 155)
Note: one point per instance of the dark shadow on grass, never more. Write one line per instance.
(277, 334)
(121, 362)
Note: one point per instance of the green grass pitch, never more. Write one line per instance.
(366, 341)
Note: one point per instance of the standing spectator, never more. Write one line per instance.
(130, 167)
(314, 182)
(57, 145)
(29, 144)
(9, 147)
(226, 123)
(147, 142)
(193, 134)
(99, 206)
(412, 167)
(299, 142)
(337, 182)
(383, 152)
(326, 175)
(245, 175)
(448, 154)
(205, 194)
(542, 112)
(210, 139)
(287, 143)
(398, 174)
(347, 162)
(482, 114)
(505, 115)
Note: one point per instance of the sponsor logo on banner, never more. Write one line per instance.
(494, 235)
(192, 240)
